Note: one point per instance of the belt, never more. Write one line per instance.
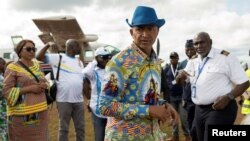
(210, 105)
(205, 106)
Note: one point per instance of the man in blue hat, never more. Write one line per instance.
(131, 88)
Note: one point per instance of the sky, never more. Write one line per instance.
(227, 21)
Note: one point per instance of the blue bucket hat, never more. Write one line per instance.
(145, 16)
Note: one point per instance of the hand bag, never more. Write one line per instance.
(53, 87)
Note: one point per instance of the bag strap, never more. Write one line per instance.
(52, 75)
(25, 67)
(59, 65)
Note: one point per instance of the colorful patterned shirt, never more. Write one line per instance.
(132, 84)
(3, 117)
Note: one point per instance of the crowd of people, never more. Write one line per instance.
(128, 94)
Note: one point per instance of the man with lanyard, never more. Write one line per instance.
(95, 72)
(217, 78)
(175, 92)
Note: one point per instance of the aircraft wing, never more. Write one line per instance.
(59, 29)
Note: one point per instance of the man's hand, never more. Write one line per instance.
(163, 113)
(159, 112)
(221, 102)
(51, 44)
(181, 77)
(173, 114)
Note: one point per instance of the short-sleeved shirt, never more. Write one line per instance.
(95, 76)
(70, 85)
(132, 84)
(217, 78)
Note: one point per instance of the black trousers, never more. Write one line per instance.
(205, 115)
(190, 107)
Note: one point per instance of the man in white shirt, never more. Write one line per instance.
(69, 97)
(216, 80)
(95, 72)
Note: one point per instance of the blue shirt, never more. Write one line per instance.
(174, 89)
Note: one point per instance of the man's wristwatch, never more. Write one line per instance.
(230, 96)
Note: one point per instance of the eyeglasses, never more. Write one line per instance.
(106, 57)
(29, 49)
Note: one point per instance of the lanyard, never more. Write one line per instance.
(200, 70)
(174, 72)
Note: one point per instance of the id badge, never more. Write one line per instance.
(174, 82)
(193, 91)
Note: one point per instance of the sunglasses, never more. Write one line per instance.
(29, 49)
(105, 57)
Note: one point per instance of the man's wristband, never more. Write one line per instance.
(230, 96)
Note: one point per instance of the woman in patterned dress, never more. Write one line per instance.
(26, 102)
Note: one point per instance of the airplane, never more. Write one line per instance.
(59, 29)
(8, 54)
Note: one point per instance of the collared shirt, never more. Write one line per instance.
(218, 76)
(95, 76)
(132, 84)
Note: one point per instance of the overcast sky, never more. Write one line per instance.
(227, 21)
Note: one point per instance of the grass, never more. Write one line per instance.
(53, 126)
(89, 132)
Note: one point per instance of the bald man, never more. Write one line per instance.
(217, 78)
(69, 99)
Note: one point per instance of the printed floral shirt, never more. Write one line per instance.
(132, 84)
(3, 117)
